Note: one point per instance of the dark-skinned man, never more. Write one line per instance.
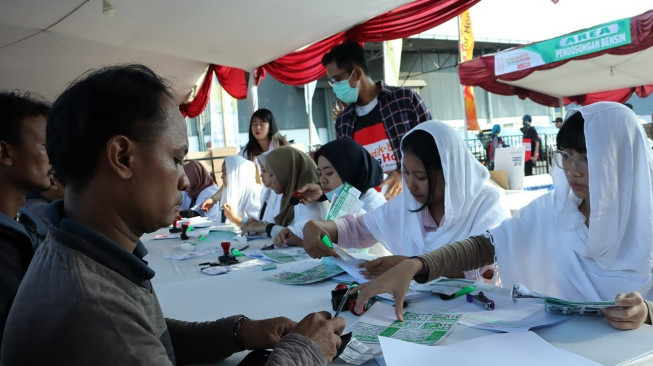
(117, 141)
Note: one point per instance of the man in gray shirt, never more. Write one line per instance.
(117, 141)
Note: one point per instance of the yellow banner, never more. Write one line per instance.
(466, 48)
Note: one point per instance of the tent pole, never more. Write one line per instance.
(252, 93)
(562, 107)
(462, 91)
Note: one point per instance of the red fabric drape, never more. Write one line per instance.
(410, 19)
(231, 79)
(193, 108)
(480, 71)
(302, 67)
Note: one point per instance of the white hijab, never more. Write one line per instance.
(471, 204)
(547, 245)
(242, 192)
(267, 195)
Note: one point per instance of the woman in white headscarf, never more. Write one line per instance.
(270, 203)
(446, 197)
(590, 239)
(241, 195)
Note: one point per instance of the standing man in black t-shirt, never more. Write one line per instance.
(531, 141)
(377, 116)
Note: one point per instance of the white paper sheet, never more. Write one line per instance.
(507, 315)
(506, 349)
(347, 263)
(197, 221)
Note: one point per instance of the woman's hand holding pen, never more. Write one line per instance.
(253, 227)
(313, 243)
(287, 237)
(207, 204)
(310, 192)
(394, 281)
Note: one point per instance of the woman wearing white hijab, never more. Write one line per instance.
(269, 199)
(446, 197)
(241, 195)
(590, 239)
(270, 203)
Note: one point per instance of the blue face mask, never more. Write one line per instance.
(332, 193)
(345, 92)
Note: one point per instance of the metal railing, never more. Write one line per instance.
(478, 148)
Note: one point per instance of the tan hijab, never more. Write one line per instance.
(293, 169)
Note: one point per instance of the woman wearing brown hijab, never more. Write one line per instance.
(201, 187)
(289, 170)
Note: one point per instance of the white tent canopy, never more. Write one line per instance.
(175, 38)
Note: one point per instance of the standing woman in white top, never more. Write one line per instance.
(263, 136)
(590, 239)
(241, 195)
(290, 169)
(447, 196)
(345, 160)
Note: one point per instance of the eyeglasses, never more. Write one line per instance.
(564, 160)
(338, 78)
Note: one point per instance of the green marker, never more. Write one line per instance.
(464, 290)
(236, 253)
(327, 241)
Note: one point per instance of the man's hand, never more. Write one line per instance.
(207, 204)
(630, 312)
(264, 333)
(313, 244)
(395, 281)
(323, 330)
(310, 192)
(337, 109)
(394, 184)
(287, 237)
(375, 268)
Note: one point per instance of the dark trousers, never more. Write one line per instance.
(528, 168)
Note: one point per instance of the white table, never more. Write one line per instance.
(187, 294)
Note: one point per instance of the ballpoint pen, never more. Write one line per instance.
(342, 302)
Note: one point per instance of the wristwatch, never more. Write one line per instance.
(237, 326)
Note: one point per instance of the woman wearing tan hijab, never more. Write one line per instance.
(290, 169)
